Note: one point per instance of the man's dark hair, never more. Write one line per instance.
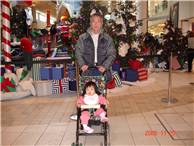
(96, 12)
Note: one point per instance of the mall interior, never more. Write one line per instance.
(149, 100)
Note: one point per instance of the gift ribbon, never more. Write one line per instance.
(60, 86)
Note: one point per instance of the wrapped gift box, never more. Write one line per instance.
(116, 67)
(117, 79)
(71, 71)
(122, 74)
(45, 73)
(57, 73)
(111, 84)
(36, 69)
(65, 85)
(175, 63)
(43, 88)
(60, 86)
(72, 85)
(131, 75)
(142, 74)
(134, 64)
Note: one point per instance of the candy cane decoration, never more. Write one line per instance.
(6, 32)
(48, 36)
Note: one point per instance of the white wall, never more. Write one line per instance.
(186, 10)
(185, 26)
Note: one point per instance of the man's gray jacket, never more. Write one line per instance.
(106, 52)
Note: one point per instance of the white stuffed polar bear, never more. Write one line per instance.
(24, 86)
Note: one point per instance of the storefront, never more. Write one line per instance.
(158, 14)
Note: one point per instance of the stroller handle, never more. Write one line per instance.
(93, 68)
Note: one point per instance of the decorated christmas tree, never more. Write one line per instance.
(148, 45)
(173, 41)
(67, 37)
(122, 26)
(18, 23)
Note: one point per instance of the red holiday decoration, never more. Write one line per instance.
(5, 38)
(111, 84)
(48, 18)
(26, 45)
(135, 64)
(5, 83)
(142, 74)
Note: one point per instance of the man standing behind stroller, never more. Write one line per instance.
(95, 48)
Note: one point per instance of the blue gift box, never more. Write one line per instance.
(71, 71)
(57, 73)
(131, 75)
(116, 67)
(72, 85)
(123, 75)
(45, 73)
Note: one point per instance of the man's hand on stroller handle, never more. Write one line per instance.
(84, 68)
(100, 68)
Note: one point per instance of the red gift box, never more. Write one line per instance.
(111, 84)
(135, 64)
(142, 74)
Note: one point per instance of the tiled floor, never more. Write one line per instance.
(44, 121)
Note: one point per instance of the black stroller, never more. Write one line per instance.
(101, 84)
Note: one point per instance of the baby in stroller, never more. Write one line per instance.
(91, 96)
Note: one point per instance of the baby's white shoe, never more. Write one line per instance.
(88, 129)
(103, 117)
